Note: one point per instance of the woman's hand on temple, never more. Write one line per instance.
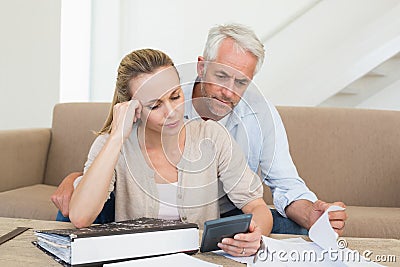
(124, 115)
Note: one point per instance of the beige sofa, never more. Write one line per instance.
(349, 155)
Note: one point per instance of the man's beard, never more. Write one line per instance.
(215, 106)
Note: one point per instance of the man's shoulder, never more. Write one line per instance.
(255, 99)
(254, 103)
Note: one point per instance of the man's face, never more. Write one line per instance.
(225, 79)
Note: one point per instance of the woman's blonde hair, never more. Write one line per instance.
(143, 61)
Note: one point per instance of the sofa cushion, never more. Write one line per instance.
(73, 130)
(23, 157)
(373, 222)
(32, 202)
(349, 155)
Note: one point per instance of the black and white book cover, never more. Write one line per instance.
(115, 241)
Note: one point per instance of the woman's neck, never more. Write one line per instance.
(154, 141)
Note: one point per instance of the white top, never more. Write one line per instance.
(168, 205)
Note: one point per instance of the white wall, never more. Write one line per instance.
(106, 51)
(29, 62)
(304, 39)
(177, 27)
(75, 50)
(389, 98)
(314, 48)
(31, 39)
(329, 47)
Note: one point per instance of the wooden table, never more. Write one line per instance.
(20, 251)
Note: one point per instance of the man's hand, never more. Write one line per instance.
(306, 213)
(244, 244)
(62, 196)
(336, 218)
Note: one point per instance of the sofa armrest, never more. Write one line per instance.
(23, 157)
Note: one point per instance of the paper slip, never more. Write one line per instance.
(322, 233)
(247, 260)
(176, 260)
(323, 251)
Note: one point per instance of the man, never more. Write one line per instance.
(232, 56)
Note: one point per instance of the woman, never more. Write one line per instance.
(160, 167)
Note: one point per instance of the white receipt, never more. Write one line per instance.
(322, 232)
(323, 251)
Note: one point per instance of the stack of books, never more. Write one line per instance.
(118, 241)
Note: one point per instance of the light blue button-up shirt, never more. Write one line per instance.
(257, 127)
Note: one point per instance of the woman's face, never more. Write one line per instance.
(162, 99)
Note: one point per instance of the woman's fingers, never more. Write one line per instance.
(124, 115)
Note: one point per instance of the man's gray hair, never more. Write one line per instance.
(243, 36)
